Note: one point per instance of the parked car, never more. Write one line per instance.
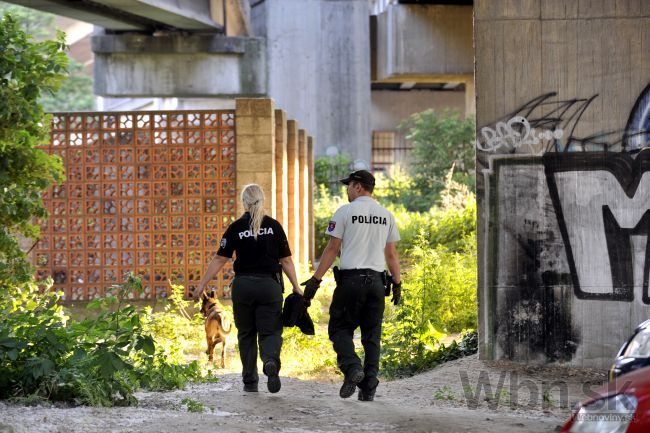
(620, 406)
(634, 354)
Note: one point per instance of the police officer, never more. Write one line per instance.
(262, 252)
(365, 233)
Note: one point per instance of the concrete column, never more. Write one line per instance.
(311, 186)
(238, 18)
(281, 167)
(303, 195)
(255, 149)
(293, 204)
(333, 70)
(470, 98)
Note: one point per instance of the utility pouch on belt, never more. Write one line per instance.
(386, 280)
(337, 275)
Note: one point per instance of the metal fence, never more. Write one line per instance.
(388, 149)
(146, 192)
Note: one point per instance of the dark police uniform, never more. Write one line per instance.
(364, 227)
(256, 290)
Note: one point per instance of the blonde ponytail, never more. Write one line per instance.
(252, 197)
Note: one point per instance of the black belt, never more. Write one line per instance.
(258, 275)
(359, 272)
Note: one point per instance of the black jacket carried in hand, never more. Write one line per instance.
(295, 313)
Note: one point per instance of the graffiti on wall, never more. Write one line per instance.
(597, 232)
(581, 219)
(547, 125)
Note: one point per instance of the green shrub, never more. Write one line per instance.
(442, 141)
(448, 224)
(441, 285)
(98, 361)
(325, 204)
(439, 292)
(411, 356)
(398, 189)
(175, 326)
(329, 169)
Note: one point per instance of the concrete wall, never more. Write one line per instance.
(424, 41)
(318, 59)
(563, 95)
(389, 108)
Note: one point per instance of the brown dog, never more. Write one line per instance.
(217, 325)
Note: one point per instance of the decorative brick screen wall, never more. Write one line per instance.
(146, 192)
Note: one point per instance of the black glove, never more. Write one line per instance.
(397, 291)
(311, 285)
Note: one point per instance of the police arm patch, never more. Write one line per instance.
(331, 226)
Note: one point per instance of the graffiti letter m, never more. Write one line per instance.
(602, 203)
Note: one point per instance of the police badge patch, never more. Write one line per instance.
(331, 226)
(223, 242)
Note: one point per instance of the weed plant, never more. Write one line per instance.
(99, 361)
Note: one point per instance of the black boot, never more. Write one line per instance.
(352, 378)
(271, 370)
(367, 389)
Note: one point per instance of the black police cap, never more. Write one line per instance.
(361, 176)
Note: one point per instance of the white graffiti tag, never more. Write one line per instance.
(513, 134)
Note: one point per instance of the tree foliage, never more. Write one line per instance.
(27, 69)
(76, 90)
(75, 93)
(442, 141)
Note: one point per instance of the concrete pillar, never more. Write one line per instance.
(470, 98)
(281, 167)
(333, 70)
(293, 203)
(238, 18)
(255, 149)
(303, 185)
(311, 186)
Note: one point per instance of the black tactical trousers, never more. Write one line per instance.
(257, 307)
(358, 301)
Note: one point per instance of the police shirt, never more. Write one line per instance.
(364, 227)
(261, 256)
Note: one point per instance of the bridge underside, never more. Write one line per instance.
(138, 15)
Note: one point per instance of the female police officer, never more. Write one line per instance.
(262, 252)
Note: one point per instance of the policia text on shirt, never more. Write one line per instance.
(365, 234)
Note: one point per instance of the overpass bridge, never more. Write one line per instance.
(319, 59)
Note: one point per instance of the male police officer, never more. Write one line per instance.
(365, 233)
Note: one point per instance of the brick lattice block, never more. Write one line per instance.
(147, 192)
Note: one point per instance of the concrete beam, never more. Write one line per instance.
(124, 15)
(424, 41)
(179, 66)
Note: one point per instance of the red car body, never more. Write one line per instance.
(636, 383)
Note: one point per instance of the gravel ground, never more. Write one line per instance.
(441, 400)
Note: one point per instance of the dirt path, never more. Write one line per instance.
(430, 402)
